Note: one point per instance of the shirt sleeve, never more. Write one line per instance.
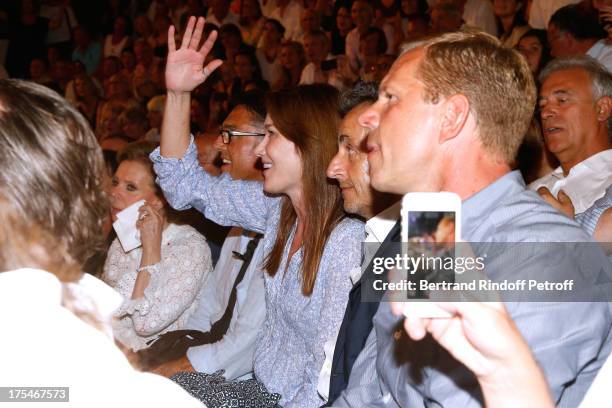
(221, 199)
(234, 352)
(173, 286)
(344, 247)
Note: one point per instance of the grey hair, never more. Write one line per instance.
(601, 79)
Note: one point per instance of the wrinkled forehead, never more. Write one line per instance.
(572, 79)
(350, 129)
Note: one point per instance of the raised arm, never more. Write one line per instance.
(184, 183)
(185, 70)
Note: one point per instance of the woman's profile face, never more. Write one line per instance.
(282, 164)
(132, 182)
(531, 48)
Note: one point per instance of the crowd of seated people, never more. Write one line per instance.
(271, 142)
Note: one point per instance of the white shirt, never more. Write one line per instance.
(602, 52)
(68, 22)
(308, 77)
(542, 10)
(376, 229)
(479, 14)
(290, 18)
(230, 18)
(233, 353)
(45, 344)
(172, 293)
(111, 49)
(599, 394)
(586, 182)
(270, 71)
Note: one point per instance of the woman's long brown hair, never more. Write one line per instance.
(308, 116)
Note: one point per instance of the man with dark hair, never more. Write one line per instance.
(381, 212)
(232, 351)
(574, 31)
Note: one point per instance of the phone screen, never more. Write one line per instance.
(431, 237)
(431, 226)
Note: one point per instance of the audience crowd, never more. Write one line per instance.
(259, 150)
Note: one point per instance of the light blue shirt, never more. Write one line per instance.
(234, 352)
(570, 341)
(588, 219)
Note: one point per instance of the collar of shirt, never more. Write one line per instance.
(585, 182)
(378, 227)
(597, 48)
(480, 205)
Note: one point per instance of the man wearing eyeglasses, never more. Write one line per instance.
(239, 134)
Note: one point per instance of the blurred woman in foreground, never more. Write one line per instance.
(52, 208)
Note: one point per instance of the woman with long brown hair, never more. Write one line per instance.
(311, 247)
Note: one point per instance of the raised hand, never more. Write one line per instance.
(185, 68)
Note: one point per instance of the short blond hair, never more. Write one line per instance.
(496, 81)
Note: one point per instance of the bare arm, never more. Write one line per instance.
(184, 72)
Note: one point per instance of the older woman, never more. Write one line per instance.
(161, 280)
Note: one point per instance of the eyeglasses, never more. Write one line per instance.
(227, 134)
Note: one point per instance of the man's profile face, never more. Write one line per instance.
(350, 165)
(568, 113)
(239, 158)
(402, 142)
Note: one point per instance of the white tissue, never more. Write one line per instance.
(125, 227)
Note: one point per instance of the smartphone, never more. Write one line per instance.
(431, 225)
(329, 65)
